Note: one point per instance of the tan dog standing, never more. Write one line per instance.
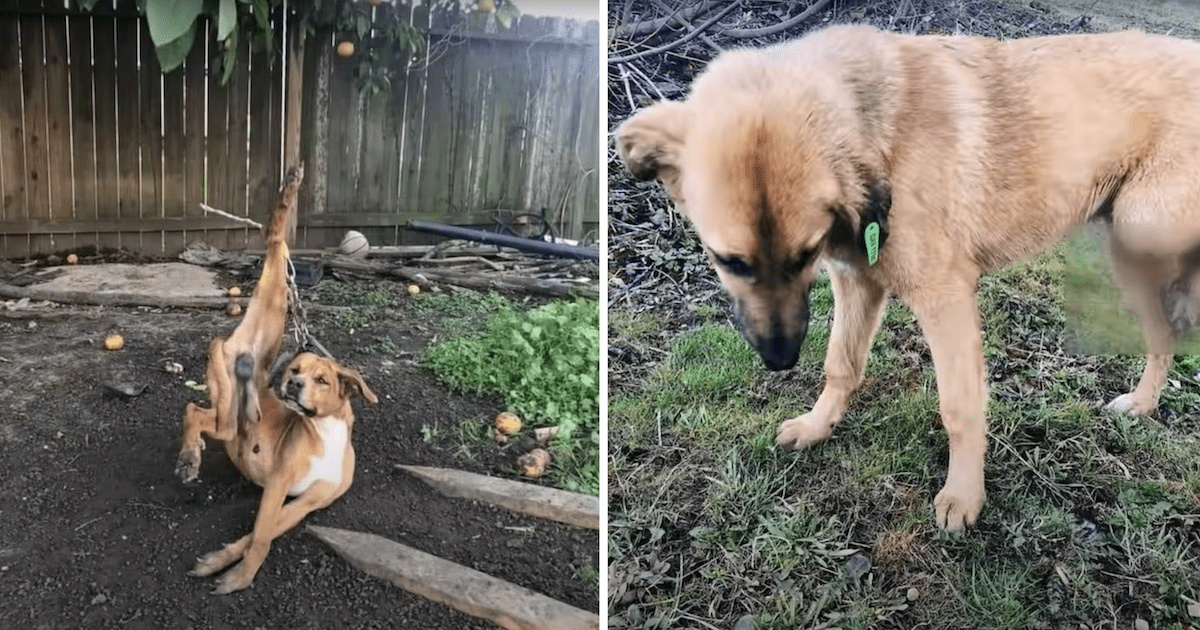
(968, 154)
(297, 443)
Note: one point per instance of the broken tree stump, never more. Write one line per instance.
(556, 505)
(472, 592)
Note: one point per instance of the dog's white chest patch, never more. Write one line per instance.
(327, 467)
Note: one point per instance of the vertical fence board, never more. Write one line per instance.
(235, 165)
(343, 148)
(58, 128)
(150, 182)
(128, 132)
(437, 144)
(108, 179)
(37, 158)
(218, 149)
(175, 157)
(13, 206)
(195, 84)
(264, 148)
(83, 147)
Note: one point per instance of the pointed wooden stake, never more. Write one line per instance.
(548, 503)
(477, 594)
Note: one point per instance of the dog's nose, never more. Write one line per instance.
(779, 353)
(292, 386)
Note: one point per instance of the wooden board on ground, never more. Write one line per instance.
(478, 594)
(548, 503)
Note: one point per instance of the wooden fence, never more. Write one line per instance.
(98, 148)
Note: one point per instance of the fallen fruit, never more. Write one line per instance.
(234, 309)
(508, 423)
(912, 594)
(500, 437)
(543, 435)
(235, 291)
(534, 463)
(413, 289)
(72, 259)
(345, 49)
(114, 342)
(173, 368)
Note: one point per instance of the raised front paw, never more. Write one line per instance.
(802, 432)
(1132, 405)
(958, 505)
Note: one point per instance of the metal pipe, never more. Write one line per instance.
(527, 244)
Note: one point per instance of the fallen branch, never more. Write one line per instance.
(503, 282)
(682, 40)
(208, 208)
(744, 33)
(645, 28)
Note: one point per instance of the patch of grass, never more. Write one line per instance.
(457, 311)
(544, 365)
(1090, 514)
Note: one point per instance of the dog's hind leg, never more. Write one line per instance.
(273, 519)
(857, 312)
(1142, 280)
(949, 319)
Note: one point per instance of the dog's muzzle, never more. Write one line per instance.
(778, 349)
(292, 388)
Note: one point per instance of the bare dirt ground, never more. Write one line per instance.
(96, 532)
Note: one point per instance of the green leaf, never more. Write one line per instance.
(172, 54)
(507, 13)
(226, 19)
(171, 19)
(230, 60)
(262, 14)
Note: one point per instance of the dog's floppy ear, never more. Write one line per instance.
(650, 143)
(351, 380)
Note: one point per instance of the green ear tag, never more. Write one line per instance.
(872, 238)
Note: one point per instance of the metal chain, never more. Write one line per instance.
(299, 318)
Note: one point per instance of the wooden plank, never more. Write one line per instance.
(263, 176)
(235, 164)
(472, 592)
(377, 183)
(59, 174)
(440, 126)
(345, 137)
(150, 116)
(195, 96)
(13, 204)
(107, 120)
(37, 157)
(217, 192)
(466, 78)
(509, 87)
(175, 156)
(412, 123)
(129, 194)
(549, 503)
(83, 111)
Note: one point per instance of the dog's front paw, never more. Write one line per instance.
(1128, 403)
(802, 432)
(958, 505)
(212, 562)
(236, 580)
(187, 467)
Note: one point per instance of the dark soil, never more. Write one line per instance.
(96, 532)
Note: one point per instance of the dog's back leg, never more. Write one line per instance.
(1142, 279)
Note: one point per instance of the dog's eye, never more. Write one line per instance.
(321, 380)
(735, 265)
(802, 260)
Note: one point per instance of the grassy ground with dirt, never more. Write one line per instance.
(1092, 519)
